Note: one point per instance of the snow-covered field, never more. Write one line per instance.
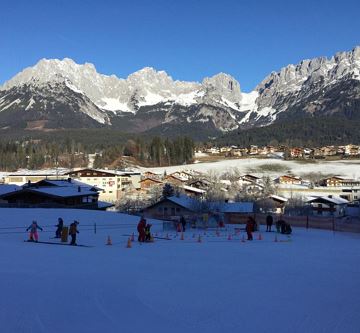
(345, 168)
(307, 284)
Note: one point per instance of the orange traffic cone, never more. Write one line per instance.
(128, 245)
(132, 237)
(229, 237)
(260, 237)
(182, 236)
(199, 239)
(108, 242)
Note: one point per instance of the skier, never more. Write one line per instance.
(249, 228)
(269, 222)
(148, 237)
(285, 228)
(33, 227)
(59, 226)
(141, 229)
(73, 231)
(183, 223)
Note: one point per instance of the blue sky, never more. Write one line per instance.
(188, 39)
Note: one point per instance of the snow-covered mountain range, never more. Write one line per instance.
(62, 94)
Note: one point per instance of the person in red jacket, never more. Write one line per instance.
(141, 230)
(249, 228)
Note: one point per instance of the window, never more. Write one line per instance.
(177, 209)
(172, 211)
(159, 209)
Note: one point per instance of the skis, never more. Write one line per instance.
(53, 243)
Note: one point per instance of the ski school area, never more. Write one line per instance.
(199, 280)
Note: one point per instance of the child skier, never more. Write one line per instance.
(73, 231)
(148, 233)
(33, 227)
(59, 226)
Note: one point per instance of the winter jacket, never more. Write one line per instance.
(249, 226)
(269, 220)
(73, 229)
(141, 226)
(33, 227)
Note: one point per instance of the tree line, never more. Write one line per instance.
(70, 153)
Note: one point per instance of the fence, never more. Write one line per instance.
(350, 224)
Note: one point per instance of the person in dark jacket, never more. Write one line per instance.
(59, 229)
(141, 230)
(285, 228)
(33, 227)
(249, 228)
(183, 223)
(269, 223)
(73, 231)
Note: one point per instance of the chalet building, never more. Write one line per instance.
(113, 183)
(22, 177)
(350, 194)
(202, 184)
(352, 150)
(7, 188)
(193, 191)
(329, 151)
(328, 206)
(213, 150)
(288, 180)
(174, 180)
(331, 181)
(249, 179)
(55, 194)
(253, 150)
(225, 150)
(339, 182)
(232, 212)
(272, 204)
(150, 174)
(147, 183)
(171, 207)
(296, 152)
(184, 175)
(237, 152)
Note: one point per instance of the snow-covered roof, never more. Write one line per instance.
(71, 183)
(193, 189)
(278, 198)
(43, 172)
(6, 188)
(62, 191)
(184, 201)
(330, 199)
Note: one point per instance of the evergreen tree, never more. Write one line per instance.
(168, 191)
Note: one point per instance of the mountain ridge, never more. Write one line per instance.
(148, 99)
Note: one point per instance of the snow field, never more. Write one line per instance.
(308, 284)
